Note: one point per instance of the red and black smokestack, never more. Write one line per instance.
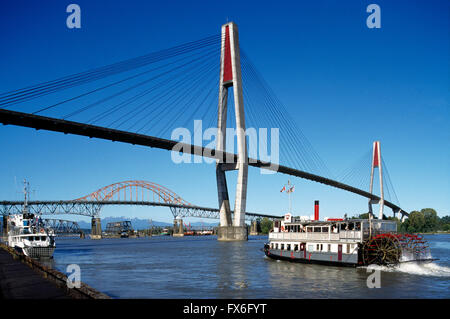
(316, 210)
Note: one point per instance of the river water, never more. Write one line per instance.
(202, 267)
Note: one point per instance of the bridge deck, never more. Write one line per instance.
(66, 127)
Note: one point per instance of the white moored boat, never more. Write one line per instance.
(28, 235)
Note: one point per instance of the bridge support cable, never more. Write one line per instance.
(156, 97)
(34, 91)
(129, 88)
(358, 174)
(139, 111)
(193, 65)
(389, 185)
(302, 150)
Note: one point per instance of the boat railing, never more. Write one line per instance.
(350, 234)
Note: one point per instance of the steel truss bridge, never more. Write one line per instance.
(139, 193)
(63, 227)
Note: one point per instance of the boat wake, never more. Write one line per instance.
(414, 268)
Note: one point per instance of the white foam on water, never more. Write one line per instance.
(413, 268)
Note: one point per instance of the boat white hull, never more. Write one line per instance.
(36, 252)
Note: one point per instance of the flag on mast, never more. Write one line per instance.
(283, 189)
(290, 190)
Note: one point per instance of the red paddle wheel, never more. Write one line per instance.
(390, 249)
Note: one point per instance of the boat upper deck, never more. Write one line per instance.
(354, 230)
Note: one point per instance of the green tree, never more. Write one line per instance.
(416, 222)
(444, 223)
(266, 225)
(431, 220)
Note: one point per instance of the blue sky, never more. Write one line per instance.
(346, 85)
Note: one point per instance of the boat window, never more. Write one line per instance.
(329, 247)
(324, 229)
(282, 247)
(309, 229)
(348, 248)
(318, 247)
(335, 229)
(317, 229)
(288, 247)
(295, 247)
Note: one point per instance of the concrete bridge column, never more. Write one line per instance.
(178, 230)
(5, 228)
(230, 76)
(255, 228)
(96, 228)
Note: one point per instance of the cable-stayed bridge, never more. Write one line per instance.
(143, 100)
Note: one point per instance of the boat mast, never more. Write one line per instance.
(289, 192)
(25, 192)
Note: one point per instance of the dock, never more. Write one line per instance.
(24, 278)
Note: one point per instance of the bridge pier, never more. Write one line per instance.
(96, 228)
(232, 233)
(255, 228)
(5, 228)
(178, 230)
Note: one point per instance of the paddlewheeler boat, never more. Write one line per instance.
(344, 242)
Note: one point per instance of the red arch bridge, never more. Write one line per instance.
(133, 192)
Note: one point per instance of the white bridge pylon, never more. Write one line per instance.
(376, 162)
(230, 76)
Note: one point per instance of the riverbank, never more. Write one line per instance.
(440, 232)
(22, 277)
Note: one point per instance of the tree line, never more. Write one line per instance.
(424, 221)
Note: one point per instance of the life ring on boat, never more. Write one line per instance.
(282, 228)
(42, 230)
